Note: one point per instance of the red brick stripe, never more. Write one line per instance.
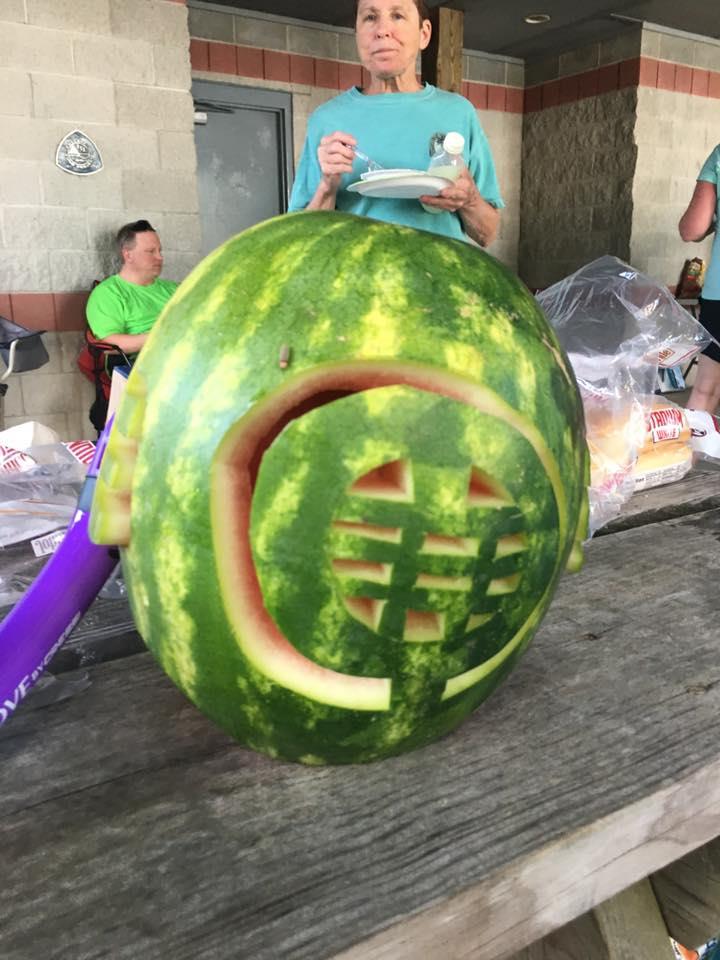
(199, 54)
(261, 64)
(5, 306)
(636, 72)
(45, 311)
(257, 63)
(276, 65)
(70, 310)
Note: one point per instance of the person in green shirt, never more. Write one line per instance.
(122, 309)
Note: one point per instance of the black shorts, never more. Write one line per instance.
(710, 319)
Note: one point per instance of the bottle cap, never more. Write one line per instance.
(454, 143)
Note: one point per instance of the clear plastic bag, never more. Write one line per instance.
(666, 452)
(37, 503)
(114, 587)
(618, 328)
(19, 566)
(705, 439)
(612, 314)
(39, 498)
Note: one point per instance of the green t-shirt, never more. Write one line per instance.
(117, 306)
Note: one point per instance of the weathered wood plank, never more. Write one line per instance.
(698, 491)
(628, 926)
(578, 940)
(107, 631)
(130, 827)
(632, 927)
(442, 61)
(688, 892)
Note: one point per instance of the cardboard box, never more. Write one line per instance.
(118, 382)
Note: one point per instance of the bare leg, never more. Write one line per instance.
(705, 394)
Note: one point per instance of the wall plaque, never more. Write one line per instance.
(76, 153)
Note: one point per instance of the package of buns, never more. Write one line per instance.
(641, 444)
(614, 433)
(619, 328)
(666, 453)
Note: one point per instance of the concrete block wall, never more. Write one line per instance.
(579, 162)
(613, 138)
(579, 159)
(314, 63)
(119, 70)
(495, 87)
(677, 126)
(597, 149)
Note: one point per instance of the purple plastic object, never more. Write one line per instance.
(55, 602)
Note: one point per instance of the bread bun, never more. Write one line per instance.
(648, 438)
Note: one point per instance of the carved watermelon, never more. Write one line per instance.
(348, 472)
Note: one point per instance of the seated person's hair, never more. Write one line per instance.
(126, 234)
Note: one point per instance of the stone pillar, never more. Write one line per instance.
(579, 160)
(613, 139)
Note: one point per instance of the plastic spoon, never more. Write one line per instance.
(372, 165)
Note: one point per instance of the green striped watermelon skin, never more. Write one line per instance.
(416, 329)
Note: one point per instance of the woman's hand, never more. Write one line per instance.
(335, 156)
(458, 194)
(480, 219)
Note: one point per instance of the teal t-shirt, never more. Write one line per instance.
(117, 306)
(711, 172)
(397, 130)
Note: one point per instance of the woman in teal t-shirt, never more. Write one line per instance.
(699, 220)
(394, 119)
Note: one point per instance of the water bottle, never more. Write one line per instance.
(447, 162)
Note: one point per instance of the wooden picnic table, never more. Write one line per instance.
(131, 827)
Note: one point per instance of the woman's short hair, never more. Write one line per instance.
(420, 5)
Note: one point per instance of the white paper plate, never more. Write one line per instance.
(402, 187)
(391, 172)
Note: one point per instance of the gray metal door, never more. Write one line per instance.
(244, 150)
